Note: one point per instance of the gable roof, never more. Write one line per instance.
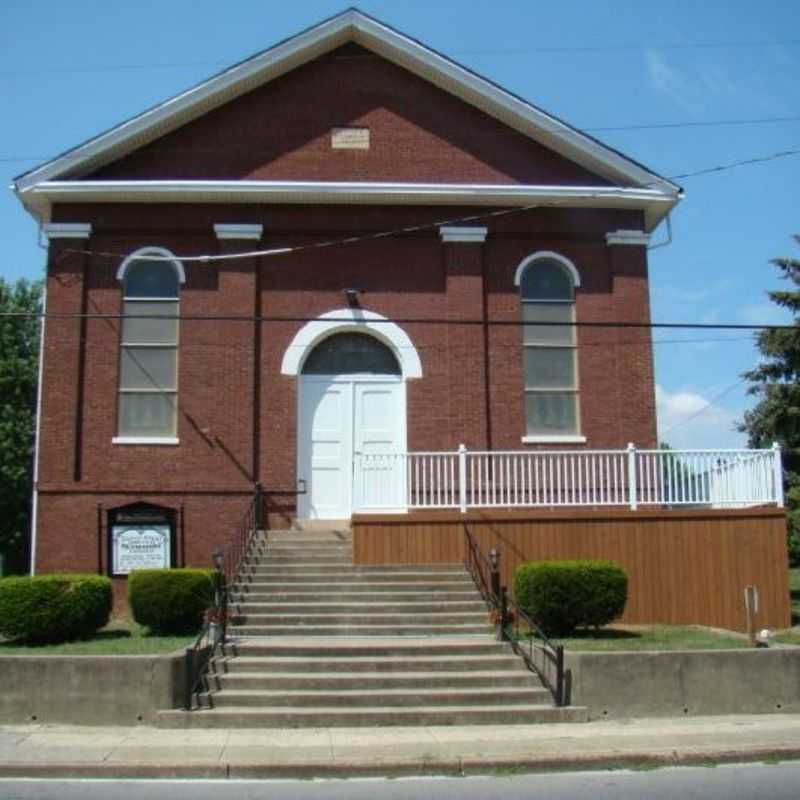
(351, 25)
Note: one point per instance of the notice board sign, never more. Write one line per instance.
(140, 537)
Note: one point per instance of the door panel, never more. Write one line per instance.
(379, 428)
(326, 449)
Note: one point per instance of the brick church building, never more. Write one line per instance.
(345, 244)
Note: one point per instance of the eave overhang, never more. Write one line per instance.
(39, 198)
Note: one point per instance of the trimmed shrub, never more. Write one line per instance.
(47, 609)
(171, 601)
(564, 595)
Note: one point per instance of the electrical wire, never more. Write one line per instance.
(209, 257)
(621, 47)
(198, 151)
(711, 404)
(410, 321)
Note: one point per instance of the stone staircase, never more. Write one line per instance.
(318, 642)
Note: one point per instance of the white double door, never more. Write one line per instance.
(339, 418)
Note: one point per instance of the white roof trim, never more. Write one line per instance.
(654, 203)
(351, 25)
(358, 320)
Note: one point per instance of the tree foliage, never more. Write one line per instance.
(19, 352)
(776, 383)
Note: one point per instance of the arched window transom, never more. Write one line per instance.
(547, 294)
(351, 354)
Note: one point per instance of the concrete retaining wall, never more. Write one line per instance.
(89, 690)
(670, 684)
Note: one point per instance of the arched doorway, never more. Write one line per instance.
(351, 401)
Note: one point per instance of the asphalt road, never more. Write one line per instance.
(739, 782)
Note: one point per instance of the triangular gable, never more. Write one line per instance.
(350, 26)
(401, 128)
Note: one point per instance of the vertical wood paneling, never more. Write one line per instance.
(683, 566)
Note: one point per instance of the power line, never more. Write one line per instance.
(711, 404)
(250, 318)
(209, 257)
(699, 124)
(734, 164)
(621, 47)
(684, 124)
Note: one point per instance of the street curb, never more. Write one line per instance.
(399, 768)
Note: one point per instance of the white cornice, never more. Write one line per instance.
(235, 231)
(67, 230)
(654, 203)
(624, 237)
(451, 233)
(351, 25)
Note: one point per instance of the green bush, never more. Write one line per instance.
(171, 601)
(46, 609)
(564, 595)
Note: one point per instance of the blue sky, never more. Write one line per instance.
(71, 70)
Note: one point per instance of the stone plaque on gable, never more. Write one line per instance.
(350, 138)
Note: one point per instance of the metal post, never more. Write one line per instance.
(221, 599)
(632, 476)
(778, 471)
(188, 678)
(462, 478)
(559, 698)
(494, 577)
(503, 609)
(259, 507)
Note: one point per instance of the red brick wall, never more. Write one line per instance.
(410, 277)
(281, 131)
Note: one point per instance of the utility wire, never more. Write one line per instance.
(209, 257)
(603, 129)
(409, 321)
(621, 47)
(711, 404)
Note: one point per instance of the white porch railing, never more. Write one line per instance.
(522, 479)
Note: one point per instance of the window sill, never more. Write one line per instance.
(570, 439)
(167, 440)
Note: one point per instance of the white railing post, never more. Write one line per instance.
(778, 468)
(462, 478)
(632, 476)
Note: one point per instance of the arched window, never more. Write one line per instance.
(351, 354)
(547, 284)
(148, 365)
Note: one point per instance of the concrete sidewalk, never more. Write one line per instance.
(71, 751)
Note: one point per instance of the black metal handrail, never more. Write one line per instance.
(229, 562)
(483, 570)
(550, 666)
(211, 637)
(507, 614)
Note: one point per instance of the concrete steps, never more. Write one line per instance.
(319, 642)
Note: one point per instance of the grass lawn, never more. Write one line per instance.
(652, 637)
(121, 637)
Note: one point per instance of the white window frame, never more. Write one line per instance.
(574, 276)
(161, 255)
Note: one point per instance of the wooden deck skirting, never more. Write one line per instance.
(685, 566)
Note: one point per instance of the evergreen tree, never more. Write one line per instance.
(19, 353)
(776, 382)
